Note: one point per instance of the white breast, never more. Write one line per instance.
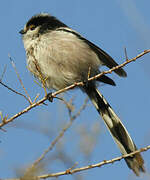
(63, 58)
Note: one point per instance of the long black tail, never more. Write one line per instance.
(117, 130)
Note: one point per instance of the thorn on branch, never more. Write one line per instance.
(125, 50)
(89, 72)
(4, 119)
(37, 96)
(69, 171)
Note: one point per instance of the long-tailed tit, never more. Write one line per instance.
(65, 57)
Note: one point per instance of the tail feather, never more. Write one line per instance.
(117, 130)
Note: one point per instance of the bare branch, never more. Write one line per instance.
(80, 110)
(69, 105)
(73, 170)
(68, 171)
(23, 111)
(14, 91)
(14, 66)
(37, 96)
(102, 73)
(61, 134)
(71, 87)
(3, 73)
(40, 74)
(126, 55)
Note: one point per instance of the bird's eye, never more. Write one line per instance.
(32, 27)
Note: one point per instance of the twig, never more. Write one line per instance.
(69, 105)
(89, 72)
(126, 55)
(40, 75)
(80, 110)
(13, 64)
(84, 168)
(24, 111)
(101, 74)
(37, 96)
(9, 88)
(61, 134)
(3, 73)
(73, 86)
(52, 144)
(66, 172)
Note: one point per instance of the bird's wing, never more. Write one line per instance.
(105, 58)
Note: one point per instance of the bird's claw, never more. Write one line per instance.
(50, 97)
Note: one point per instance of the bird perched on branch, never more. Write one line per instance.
(61, 56)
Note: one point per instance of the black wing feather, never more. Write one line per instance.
(103, 56)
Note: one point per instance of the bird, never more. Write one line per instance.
(62, 57)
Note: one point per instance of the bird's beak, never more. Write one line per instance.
(22, 31)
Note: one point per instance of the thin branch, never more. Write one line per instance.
(14, 66)
(3, 72)
(37, 96)
(40, 74)
(84, 168)
(14, 91)
(72, 86)
(69, 105)
(80, 110)
(24, 111)
(68, 171)
(126, 55)
(102, 73)
(61, 134)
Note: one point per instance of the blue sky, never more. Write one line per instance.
(112, 25)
